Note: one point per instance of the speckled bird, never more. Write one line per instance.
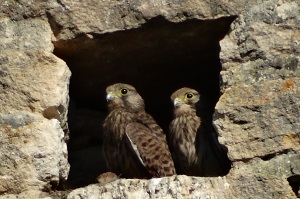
(134, 145)
(193, 141)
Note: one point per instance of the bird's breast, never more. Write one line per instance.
(183, 131)
(116, 122)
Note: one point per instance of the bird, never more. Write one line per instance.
(193, 140)
(134, 145)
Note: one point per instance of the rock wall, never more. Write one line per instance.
(255, 109)
(34, 104)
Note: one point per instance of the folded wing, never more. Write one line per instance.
(150, 150)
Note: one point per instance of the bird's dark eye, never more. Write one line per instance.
(189, 95)
(124, 91)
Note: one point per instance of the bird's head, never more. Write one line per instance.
(121, 95)
(184, 99)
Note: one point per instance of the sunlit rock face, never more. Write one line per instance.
(243, 58)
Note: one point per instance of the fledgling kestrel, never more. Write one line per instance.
(134, 145)
(193, 141)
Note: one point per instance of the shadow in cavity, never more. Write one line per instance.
(294, 182)
(157, 58)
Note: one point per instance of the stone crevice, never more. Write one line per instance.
(157, 58)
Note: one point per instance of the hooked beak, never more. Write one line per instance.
(177, 102)
(110, 96)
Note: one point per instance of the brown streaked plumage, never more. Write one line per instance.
(106, 177)
(193, 140)
(134, 145)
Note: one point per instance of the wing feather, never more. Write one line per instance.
(149, 150)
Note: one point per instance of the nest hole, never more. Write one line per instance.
(157, 58)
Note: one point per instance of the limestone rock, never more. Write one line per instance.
(284, 166)
(260, 86)
(266, 121)
(257, 115)
(34, 81)
(263, 44)
(33, 113)
(189, 187)
(33, 154)
(32, 34)
(27, 194)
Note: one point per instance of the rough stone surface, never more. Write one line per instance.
(257, 115)
(33, 112)
(34, 81)
(33, 153)
(26, 195)
(189, 187)
(31, 34)
(267, 121)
